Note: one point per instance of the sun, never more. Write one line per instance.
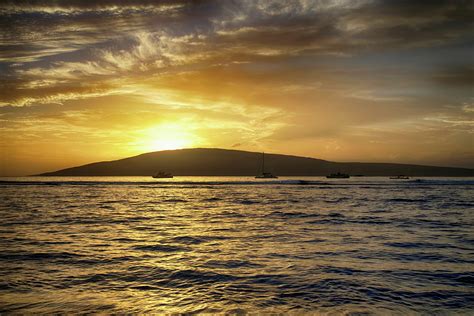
(168, 137)
(168, 144)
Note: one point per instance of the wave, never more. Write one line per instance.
(406, 200)
(194, 240)
(161, 248)
(231, 264)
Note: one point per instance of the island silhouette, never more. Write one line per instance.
(225, 162)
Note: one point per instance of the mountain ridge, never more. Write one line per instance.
(231, 162)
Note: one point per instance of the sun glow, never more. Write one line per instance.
(167, 137)
(165, 144)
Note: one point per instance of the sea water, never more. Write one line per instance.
(236, 245)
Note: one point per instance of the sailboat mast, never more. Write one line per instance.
(263, 162)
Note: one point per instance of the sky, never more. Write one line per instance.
(373, 81)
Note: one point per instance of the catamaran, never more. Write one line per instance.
(265, 175)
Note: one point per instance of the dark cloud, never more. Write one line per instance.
(243, 24)
(410, 8)
(460, 76)
(85, 4)
(375, 26)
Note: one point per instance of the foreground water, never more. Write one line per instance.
(235, 245)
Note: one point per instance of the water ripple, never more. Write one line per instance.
(356, 247)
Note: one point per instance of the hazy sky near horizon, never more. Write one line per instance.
(82, 81)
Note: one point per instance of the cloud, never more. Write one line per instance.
(455, 75)
(88, 42)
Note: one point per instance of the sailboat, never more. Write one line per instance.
(265, 175)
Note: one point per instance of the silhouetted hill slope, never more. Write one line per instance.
(222, 162)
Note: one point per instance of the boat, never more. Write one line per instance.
(265, 175)
(400, 177)
(161, 174)
(338, 176)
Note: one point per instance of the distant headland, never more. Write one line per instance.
(223, 162)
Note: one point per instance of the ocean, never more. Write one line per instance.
(237, 245)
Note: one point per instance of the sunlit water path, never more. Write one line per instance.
(236, 245)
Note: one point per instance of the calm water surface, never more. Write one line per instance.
(235, 245)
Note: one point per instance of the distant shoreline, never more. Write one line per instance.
(208, 162)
